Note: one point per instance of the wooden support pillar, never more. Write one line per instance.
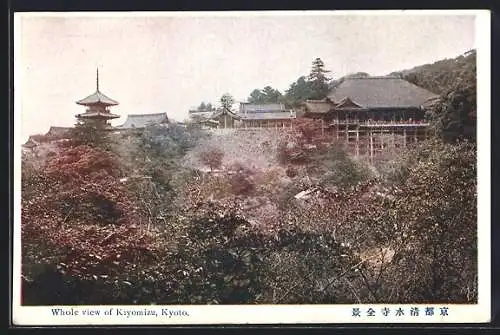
(367, 139)
(404, 137)
(357, 142)
(371, 147)
(415, 135)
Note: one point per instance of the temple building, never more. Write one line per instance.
(97, 108)
(372, 113)
(140, 121)
(270, 115)
(372, 100)
(273, 115)
(58, 132)
(225, 118)
(201, 114)
(30, 144)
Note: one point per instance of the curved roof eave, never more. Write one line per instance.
(97, 98)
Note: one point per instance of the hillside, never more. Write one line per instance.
(442, 76)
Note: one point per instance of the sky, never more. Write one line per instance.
(153, 63)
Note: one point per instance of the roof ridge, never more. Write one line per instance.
(374, 77)
(148, 114)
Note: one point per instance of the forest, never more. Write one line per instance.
(176, 215)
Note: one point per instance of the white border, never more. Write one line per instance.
(280, 314)
(396, 12)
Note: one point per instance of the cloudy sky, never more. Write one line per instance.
(152, 63)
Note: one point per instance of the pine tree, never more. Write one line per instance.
(94, 135)
(318, 80)
(227, 101)
(299, 91)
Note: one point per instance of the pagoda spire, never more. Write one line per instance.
(97, 80)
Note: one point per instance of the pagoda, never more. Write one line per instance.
(97, 112)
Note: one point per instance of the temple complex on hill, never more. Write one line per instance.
(368, 114)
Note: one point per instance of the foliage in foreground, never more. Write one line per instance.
(180, 237)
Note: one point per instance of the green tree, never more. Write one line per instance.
(271, 94)
(95, 135)
(256, 97)
(202, 106)
(227, 101)
(318, 79)
(266, 95)
(454, 116)
(299, 91)
(437, 206)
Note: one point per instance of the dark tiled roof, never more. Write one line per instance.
(246, 107)
(97, 98)
(319, 106)
(93, 114)
(201, 114)
(347, 103)
(269, 116)
(58, 131)
(31, 143)
(225, 112)
(271, 111)
(381, 92)
(143, 120)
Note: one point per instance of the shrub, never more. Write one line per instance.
(212, 158)
(241, 184)
(291, 172)
(338, 168)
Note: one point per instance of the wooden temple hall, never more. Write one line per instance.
(265, 116)
(372, 114)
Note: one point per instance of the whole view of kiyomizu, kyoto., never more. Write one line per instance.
(248, 160)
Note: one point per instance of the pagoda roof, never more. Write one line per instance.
(97, 115)
(97, 98)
